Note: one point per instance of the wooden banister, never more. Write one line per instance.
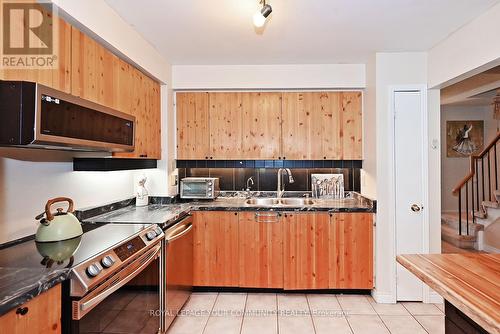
(473, 158)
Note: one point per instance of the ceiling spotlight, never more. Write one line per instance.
(259, 19)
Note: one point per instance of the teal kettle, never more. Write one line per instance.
(60, 225)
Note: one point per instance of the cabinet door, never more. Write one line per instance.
(351, 245)
(43, 315)
(312, 125)
(193, 137)
(306, 252)
(352, 126)
(92, 71)
(226, 125)
(261, 126)
(141, 98)
(260, 250)
(215, 249)
(58, 78)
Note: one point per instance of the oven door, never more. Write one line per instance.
(128, 302)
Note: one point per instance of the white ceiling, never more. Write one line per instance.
(204, 32)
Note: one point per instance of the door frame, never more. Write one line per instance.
(422, 89)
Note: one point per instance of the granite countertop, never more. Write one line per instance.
(165, 211)
(24, 274)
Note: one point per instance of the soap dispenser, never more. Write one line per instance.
(141, 194)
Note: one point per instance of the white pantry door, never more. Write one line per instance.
(408, 158)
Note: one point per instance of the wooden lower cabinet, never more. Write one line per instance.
(351, 251)
(306, 251)
(289, 250)
(42, 314)
(260, 250)
(215, 253)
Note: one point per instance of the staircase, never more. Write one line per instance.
(478, 198)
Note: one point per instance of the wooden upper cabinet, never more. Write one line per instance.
(215, 253)
(225, 114)
(42, 315)
(352, 127)
(260, 250)
(312, 125)
(351, 249)
(141, 98)
(93, 70)
(261, 126)
(306, 251)
(58, 78)
(193, 137)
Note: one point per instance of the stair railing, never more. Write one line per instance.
(477, 185)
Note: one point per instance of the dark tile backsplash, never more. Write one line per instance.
(264, 176)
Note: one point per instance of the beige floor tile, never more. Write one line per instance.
(332, 324)
(367, 324)
(261, 301)
(188, 325)
(422, 309)
(388, 309)
(323, 302)
(295, 325)
(440, 306)
(227, 324)
(433, 324)
(293, 302)
(260, 325)
(231, 302)
(200, 304)
(402, 324)
(352, 304)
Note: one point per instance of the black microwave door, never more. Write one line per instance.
(64, 119)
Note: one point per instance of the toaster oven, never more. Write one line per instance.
(200, 187)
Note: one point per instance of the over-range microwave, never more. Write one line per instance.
(200, 187)
(36, 116)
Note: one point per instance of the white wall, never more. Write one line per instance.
(454, 169)
(369, 171)
(268, 76)
(28, 178)
(467, 51)
(398, 69)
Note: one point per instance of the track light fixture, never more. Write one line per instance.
(259, 19)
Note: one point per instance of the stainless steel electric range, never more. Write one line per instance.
(105, 292)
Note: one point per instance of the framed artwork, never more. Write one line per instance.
(464, 138)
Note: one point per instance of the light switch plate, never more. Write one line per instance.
(174, 179)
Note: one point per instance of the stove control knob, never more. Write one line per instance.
(93, 270)
(151, 235)
(107, 261)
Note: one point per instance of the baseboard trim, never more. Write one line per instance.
(383, 297)
(435, 298)
(491, 249)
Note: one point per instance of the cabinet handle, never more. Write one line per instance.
(206, 158)
(143, 155)
(211, 158)
(268, 217)
(22, 310)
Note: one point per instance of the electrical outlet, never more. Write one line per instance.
(174, 179)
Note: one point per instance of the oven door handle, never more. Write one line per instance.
(100, 297)
(185, 228)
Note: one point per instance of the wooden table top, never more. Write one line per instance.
(471, 282)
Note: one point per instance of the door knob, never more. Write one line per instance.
(415, 208)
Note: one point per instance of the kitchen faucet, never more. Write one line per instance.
(281, 188)
(249, 180)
